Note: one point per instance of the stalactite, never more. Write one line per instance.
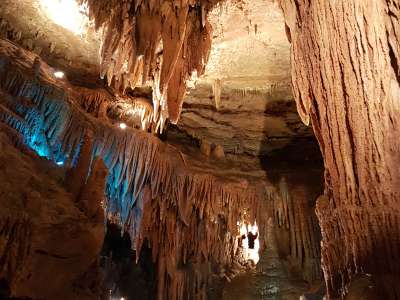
(94, 102)
(153, 42)
(217, 93)
(288, 208)
(188, 218)
(136, 112)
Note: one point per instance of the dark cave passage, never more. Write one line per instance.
(123, 276)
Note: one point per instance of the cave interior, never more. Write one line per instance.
(199, 149)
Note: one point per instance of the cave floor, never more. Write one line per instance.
(269, 281)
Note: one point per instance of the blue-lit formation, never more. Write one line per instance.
(42, 121)
(52, 129)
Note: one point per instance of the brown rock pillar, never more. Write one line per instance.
(345, 73)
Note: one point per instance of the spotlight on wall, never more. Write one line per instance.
(122, 125)
(59, 74)
(60, 163)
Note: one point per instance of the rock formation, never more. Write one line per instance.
(345, 71)
(42, 231)
(144, 184)
(162, 42)
(236, 181)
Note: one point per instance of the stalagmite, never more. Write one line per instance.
(288, 208)
(77, 176)
(91, 197)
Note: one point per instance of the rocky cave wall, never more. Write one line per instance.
(252, 121)
(345, 71)
(43, 229)
(195, 239)
(187, 218)
(147, 180)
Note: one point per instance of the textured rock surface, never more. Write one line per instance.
(32, 28)
(148, 180)
(184, 206)
(254, 123)
(248, 68)
(345, 66)
(46, 241)
(244, 101)
(289, 261)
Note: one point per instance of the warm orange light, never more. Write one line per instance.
(59, 74)
(250, 254)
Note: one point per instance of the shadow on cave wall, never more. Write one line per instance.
(296, 170)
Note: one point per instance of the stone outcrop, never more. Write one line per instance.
(252, 121)
(345, 71)
(46, 242)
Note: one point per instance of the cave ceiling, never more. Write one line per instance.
(243, 101)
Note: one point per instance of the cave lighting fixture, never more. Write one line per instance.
(67, 13)
(59, 74)
(60, 163)
(122, 125)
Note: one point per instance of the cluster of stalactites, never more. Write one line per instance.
(292, 211)
(155, 43)
(136, 112)
(189, 219)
